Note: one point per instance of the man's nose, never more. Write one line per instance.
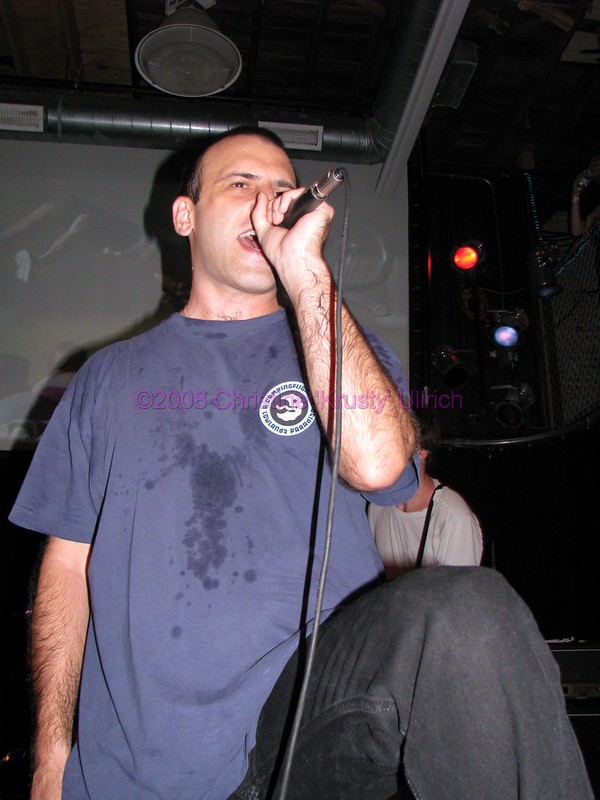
(271, 188)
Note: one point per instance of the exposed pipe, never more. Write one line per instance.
(163, 123)
(167, 123)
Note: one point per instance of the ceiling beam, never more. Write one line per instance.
(68, 22)
(14, 37)
(433, 60)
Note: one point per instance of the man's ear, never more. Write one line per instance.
(182, 215)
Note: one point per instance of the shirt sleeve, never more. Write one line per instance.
(408, 482)
(57, 496)
(460, 542)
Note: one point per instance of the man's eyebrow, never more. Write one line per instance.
(250, 176)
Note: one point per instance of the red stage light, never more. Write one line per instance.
(467, 256)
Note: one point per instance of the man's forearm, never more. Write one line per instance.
(378, 435)
(58, 631)
(576, 220)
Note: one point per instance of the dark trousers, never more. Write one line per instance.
(441, 674)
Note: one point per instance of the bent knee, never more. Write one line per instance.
(458, 596)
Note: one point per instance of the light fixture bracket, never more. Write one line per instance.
(174, 5)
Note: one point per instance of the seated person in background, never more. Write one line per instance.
(436, 518)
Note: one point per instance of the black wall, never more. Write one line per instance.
(537, 505)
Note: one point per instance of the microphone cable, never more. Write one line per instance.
(335, 466)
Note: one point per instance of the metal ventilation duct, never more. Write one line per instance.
(165, 123)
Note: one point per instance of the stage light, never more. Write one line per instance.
(511, 410)
(446, 361)
(541, 265)
(468, 256)
(507, 327)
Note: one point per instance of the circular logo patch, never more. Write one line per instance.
(286, 410)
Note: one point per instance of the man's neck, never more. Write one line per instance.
(233, 308)
(421, 497)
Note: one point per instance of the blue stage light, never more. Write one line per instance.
(507, 328)
(506, 336)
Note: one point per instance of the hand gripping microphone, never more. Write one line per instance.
(312, 197)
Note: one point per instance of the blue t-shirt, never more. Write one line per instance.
(191, 458)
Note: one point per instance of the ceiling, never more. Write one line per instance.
(519, 84)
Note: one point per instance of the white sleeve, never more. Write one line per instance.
(458, 541)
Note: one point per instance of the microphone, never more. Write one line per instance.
(312, 197)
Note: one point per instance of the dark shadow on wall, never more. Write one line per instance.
(100, 264)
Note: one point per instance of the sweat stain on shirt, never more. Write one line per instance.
(213, 481)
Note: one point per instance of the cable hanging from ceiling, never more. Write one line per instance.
(542, 259)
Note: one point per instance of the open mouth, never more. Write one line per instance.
(249, 240)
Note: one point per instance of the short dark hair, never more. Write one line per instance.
(429, 431)
(192, 182)
(429, 428)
